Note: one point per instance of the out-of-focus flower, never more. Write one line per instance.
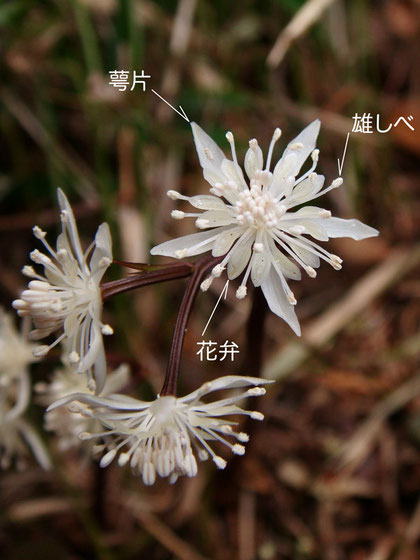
(159, 436)
(257, 226)
(17, 436)
(16, 353)
(68, 424)
(68, 297)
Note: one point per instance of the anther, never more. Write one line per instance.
(74, 357)
(205, 284)
(241, 292)
(28, 271)
(217, 271)
(201, 223)
(181, 253)
(238, 449)
(40, 351)
(311, 272)
(174, 195)
(220, 463)
(315, 155)
(178, 214)
(39, 234)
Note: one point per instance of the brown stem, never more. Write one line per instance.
(201, 269)
(255, 334)
(172, 272)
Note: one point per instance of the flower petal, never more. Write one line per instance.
(225, 240)
(337, 227)
(261, 264)
(306, 190)
(102, 251)
(288, 268)
(70, 227)
(209, 154)
(278, 302)
(241, 253)
(307, 140)
(306, 255)
(207, 149)
(254, 160)
(216, 218)
(193, 244)
(206, 202)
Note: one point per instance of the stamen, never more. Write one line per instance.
(201, 223)
(205, 284)
(174, 195)
(241, 292)
(178, 214)
(276, 136)
(217, 270)
(38, 233)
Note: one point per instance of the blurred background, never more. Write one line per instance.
(333, 472)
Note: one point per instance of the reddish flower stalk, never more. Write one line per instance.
(171, 272)
(201, 269)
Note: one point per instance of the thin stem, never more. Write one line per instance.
(201, 269)
(255, 334)
(172, 272)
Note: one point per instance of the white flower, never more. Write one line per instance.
(16, 353)
(16, 434)
(69, 295)
(257, 226)
(159, 436)
(66, 424)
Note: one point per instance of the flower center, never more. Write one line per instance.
(258, 209)
(163, 409)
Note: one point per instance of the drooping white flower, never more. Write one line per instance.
(257, 226)
(68, 424)
(68, 297)
(160, 436)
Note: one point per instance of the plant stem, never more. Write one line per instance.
(172, 272)
(201, 269)
(255, 334)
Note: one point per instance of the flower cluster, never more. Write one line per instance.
(160, 436)
(262, 228)
(68, 297)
